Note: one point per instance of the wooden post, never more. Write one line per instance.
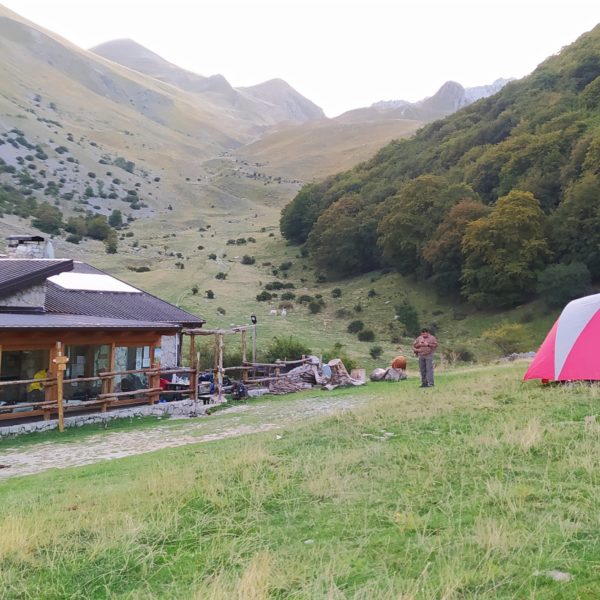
(244, 371)
(194, 366)
(220, 368)
(61, 365)
(107, 383)
(154, 379)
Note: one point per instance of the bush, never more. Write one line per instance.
(264, 296)
(195, 289)
(337, 351)
(287, 305)
(358, 308)
(209, 294)
(315, 307)
(371, 293)
(342, 313)
(285, 266)
(289, 348)
(212, 256)
(221, 275)
(408, 315)
(355, 326)
(305, 299)
(288, 296)
(248, 260)
(73, 238)
(366, 335)
(375, 352)
(336, 293)
(221, 310)
(558, 284)
(454, 355)
(510, 337)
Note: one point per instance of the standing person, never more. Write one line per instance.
(424, 347)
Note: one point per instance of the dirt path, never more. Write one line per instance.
(233, 422)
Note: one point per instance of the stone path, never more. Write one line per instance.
(233, 422)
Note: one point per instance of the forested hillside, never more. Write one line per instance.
(490, 203)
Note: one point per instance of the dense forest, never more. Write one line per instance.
(491, 203)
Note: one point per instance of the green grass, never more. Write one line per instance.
(473, 489)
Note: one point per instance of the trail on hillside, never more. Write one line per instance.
(233, 422)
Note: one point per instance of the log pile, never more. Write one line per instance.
(328, 376)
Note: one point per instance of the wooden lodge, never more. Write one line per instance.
(74, 338)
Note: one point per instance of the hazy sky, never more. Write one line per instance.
(341, 54)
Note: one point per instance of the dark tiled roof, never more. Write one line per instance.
(118, 305)
(63, 321)
(19, 273)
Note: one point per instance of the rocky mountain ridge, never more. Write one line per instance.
(451, 96)
(267, 103)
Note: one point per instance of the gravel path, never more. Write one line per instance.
(233, 422)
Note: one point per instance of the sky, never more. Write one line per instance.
(341, 54)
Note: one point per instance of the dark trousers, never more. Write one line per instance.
(426, 368)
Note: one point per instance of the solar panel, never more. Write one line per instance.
(91, 282)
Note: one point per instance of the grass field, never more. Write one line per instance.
(479, 488)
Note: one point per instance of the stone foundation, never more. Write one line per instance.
(181, 408)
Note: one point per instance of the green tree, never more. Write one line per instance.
(47, 218)
(116, 219)
(575, 224)
(98, 227)
(412, 217)
(557, 284)
(504, 250)
(343, 240)
(444, 250)
(111, 243)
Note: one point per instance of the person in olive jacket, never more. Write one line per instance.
(424, 347)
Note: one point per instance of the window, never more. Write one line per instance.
(23, 364)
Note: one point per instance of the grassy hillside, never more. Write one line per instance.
(196, 187)
(530, 153)
(481, 488)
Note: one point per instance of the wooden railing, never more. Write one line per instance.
(55, 403)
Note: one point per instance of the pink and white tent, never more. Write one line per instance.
(571, 350)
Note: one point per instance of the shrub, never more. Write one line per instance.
(558, 284)
(358, 308)
(408, 315)
(264, 296)
(209, 294)
(371, 293)
(336, 293)
(342, 313)
(221, 275)
(454, 355)
(355, 326)
(305, 299)
(315, 307)
(366, 335)
(248, 260)
(285, 266)
(375, 352)
(337, 351)
(289, 348)
(221, 310)
(510, 337)
(73, 238)
(212, 256)
(287, 305)
(288, 296)
(195, 290)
